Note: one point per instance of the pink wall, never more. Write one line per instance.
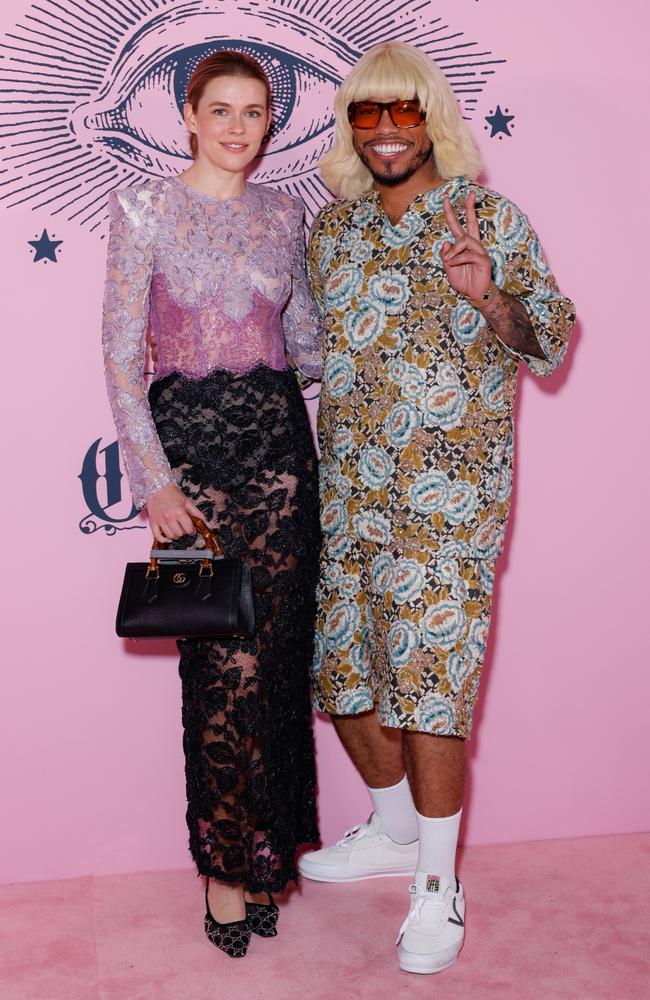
(90, 738)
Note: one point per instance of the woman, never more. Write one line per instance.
(214, 266)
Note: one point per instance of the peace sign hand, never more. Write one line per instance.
(466, 262)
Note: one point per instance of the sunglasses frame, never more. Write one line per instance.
(384, 107)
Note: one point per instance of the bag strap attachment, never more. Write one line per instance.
(211, 543)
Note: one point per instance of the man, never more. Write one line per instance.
(432, 289)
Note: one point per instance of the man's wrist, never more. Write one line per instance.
(487, 298)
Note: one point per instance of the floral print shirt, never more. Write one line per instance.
(416, 410)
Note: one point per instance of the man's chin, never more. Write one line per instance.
(389, 177)
(391, 180)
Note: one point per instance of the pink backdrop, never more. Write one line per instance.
(90, 737)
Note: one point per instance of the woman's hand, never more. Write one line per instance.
(466, 263)
(170, 514)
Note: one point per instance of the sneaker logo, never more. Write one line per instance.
(459, 920)
(433, 883)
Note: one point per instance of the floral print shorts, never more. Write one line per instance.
(405, 634)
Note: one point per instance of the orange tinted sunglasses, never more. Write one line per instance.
(403, 114)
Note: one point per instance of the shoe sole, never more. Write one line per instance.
(326, 874)
(423, 964)
(423, 969)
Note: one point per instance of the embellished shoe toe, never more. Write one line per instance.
(232, 938)
(263, 918)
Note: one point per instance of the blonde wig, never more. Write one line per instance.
(400, 71)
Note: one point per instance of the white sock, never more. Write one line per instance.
(395, 808)
(437, 849)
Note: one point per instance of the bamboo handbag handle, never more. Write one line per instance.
(208, 536)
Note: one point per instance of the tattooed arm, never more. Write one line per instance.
(532, 319)
(510, 321)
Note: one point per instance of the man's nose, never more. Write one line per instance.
(385, 123)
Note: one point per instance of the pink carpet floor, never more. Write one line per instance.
(554, 920)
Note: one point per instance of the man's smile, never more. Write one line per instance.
(388, 150)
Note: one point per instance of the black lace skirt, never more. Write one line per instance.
(242, 450)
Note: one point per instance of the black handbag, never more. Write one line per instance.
(187, 594)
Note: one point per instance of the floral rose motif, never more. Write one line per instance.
(430, 492)
(477, 638)
(363, 214)
(486, 539)
(443, 624)
(382, 572)
(333, 574)
(363, 325)
(408, 580)
(353, 702)
(338, 546)
(400, 424)
(338, 374)
(486, 575)
(433, 200)
(391, 288)
(413, 382)
(537, 258)
(375, 467)
(342, 441)
(462, 502)
(403, 638)
(343, 485)
(434, 714)
(349, 585)
(511, 225)
(402, 232)
(445, 406)
(334, 517)
(341, 622)
(459, 668)
(498, 258)
(372, 527)
(342, 287)
(492, 387)
(454, 549)
(447, 568)
(360, 659)
(327, 248)
(396, 369)
(358, 249)
(466, 323)
(447, 374)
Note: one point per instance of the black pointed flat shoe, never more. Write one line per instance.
(263, 917)
(233, 938)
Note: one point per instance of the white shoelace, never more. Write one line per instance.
(435, 913)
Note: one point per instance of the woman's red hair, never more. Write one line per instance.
(224, 63)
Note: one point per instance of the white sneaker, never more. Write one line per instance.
(364, 852)
(432, 935)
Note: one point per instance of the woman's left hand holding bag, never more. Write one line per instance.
(170, 514)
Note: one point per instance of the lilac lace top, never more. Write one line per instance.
(219, 284)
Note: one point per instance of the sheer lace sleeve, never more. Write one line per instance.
(303, 330)
(126, 305)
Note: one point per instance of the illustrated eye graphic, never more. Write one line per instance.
(93, 92)
(139, 120)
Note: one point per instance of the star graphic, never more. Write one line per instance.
(499, 122)
(45, 248)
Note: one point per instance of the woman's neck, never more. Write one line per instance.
(207, 179)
